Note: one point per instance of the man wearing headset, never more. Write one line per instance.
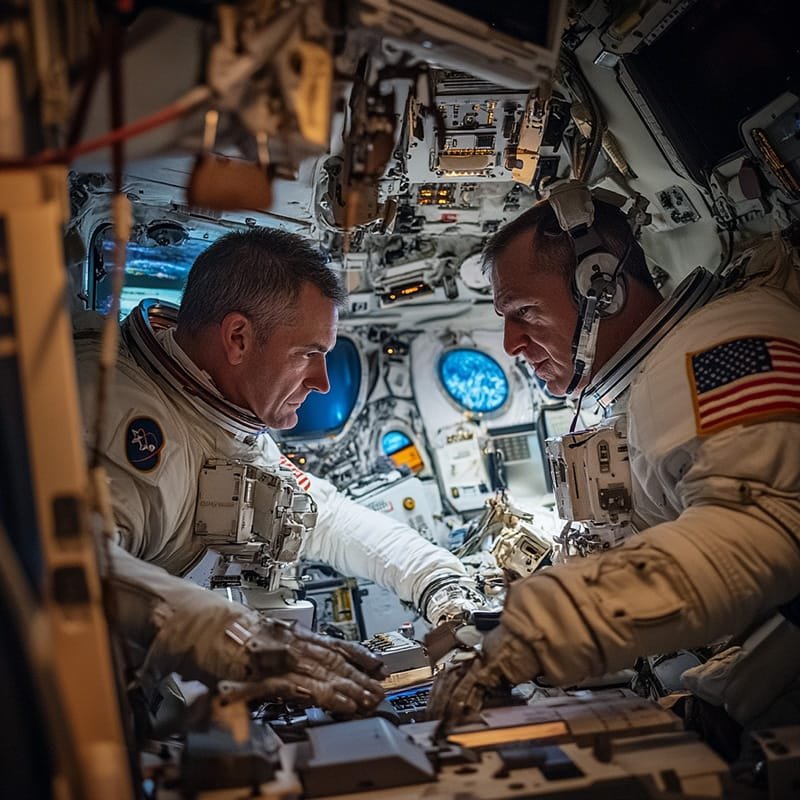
(708, 380)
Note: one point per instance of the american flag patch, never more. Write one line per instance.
(303, 481)
(744, 380)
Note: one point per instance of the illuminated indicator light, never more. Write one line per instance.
(401, 292)
(469, 151)
(517, 733)
(409, 504)
(408, 457)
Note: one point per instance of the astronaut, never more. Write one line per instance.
(258, 316)
(709, 383)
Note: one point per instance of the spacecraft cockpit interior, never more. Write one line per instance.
(396, 137)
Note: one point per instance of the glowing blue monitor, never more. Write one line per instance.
(474, 380)
(402, 451)
(327, 414)
(394, 441)
(150, 271)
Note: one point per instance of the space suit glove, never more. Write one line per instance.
(203, 636)
(451, 598)
(464, 682)
(337, 675)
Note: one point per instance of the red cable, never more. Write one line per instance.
(137, 128)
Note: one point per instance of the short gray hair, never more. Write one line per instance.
(553, 248)
(258, 272)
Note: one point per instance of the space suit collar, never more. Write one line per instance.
(149, 333)
(694, 291)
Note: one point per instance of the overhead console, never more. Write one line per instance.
(514, 45)
(709, 69)
(715, 88)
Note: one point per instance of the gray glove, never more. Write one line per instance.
(462, 685)
(171, 625)
(320, 670)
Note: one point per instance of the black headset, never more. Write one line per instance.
(597, 272)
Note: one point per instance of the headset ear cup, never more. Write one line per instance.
(617, 300)
(595, 275)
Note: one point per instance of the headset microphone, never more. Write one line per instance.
(596, 284)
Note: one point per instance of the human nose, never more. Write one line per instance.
(317, 379)
(514, 338)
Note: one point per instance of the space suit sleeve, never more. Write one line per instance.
(132, 510)
(728, 561)
(171, 625)
(146, 516)
(358, 541)
(142, 453)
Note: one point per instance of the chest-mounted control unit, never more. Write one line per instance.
(592, 480)
(253, 516)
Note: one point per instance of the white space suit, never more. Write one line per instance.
(155, 443)
(155, 440)
(718, 487)
(715, 460)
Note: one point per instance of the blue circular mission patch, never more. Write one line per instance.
(144, 442)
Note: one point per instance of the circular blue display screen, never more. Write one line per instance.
(474, 380)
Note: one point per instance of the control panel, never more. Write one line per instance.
(405, 659)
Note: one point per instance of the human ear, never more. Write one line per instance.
(236, 332)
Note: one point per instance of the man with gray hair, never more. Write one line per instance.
(258, 316)
(701, 398)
